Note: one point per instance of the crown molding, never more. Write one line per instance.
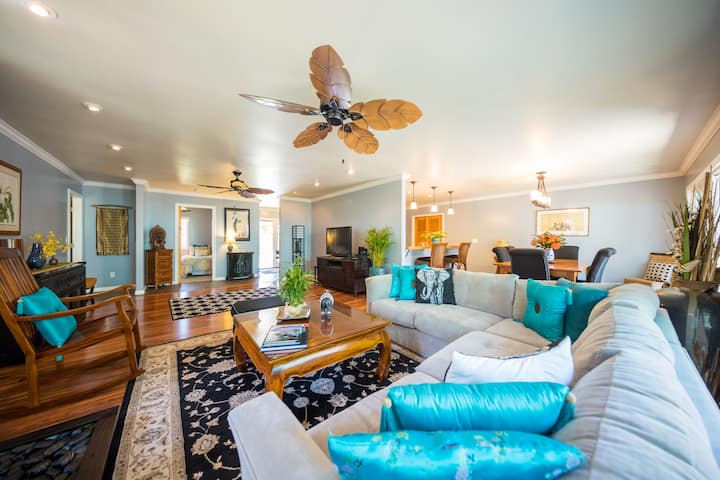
(295, 199)
(37, 150)
(120, 186)
(356, 188)
(711, 128)
(576, 186)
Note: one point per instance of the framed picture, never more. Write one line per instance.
(571, 222)
(237, 224)
(10, 197)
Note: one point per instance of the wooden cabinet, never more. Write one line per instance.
(158, 267)
(239, 265)
(343, 273)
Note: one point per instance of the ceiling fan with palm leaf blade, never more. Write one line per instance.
(242, 188)
(333, 87)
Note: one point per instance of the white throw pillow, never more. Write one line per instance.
(554, 365)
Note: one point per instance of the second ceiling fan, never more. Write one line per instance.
(333, 87)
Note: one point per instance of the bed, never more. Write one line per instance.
(199, 263)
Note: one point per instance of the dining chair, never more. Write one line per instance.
(569, 252)
(502, 254)
(659, 273)
(437, 254)
(459, 261)
(529, 263)
(597, 268)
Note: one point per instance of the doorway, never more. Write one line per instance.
(269, 254)
(75, 226)
(195, 246)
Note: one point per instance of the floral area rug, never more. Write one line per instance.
(176, 422)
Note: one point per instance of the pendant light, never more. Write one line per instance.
(539, 197)
(434, 207)
(413, 203)
(451, 210)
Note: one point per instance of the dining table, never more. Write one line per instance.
(561, 267)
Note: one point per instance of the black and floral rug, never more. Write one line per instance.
(199, 305)
(176, 422)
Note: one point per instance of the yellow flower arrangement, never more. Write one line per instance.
(50, 244)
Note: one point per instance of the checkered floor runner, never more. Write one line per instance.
(222, 302)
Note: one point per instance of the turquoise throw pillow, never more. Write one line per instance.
(469, 454)
(395, 285)
(533, 407)
(545, 312)
(584, 298)
(55, 330)
(406, 275)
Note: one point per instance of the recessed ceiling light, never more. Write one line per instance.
(41, 10)
(351, 171)
(127, 168)
(92, 107)
(115, 147)
(317, 182)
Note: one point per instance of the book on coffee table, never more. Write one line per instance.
(285, 337)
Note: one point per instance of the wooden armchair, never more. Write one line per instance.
(660, 272)
(102, 321)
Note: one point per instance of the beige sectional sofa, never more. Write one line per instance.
(639, 397)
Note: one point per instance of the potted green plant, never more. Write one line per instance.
(435, 237)
(378, 241)
(293, 287)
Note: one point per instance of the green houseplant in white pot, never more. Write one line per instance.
(378, 241)
(293, 287)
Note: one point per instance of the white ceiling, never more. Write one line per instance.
(586, 90)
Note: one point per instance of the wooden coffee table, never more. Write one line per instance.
(349, 333)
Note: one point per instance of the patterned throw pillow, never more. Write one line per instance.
(659, 271)
(434, 285)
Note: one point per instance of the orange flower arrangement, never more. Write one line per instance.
(548, 240)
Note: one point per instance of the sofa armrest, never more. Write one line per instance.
(377, 288)
(642, 281)
(272, 444)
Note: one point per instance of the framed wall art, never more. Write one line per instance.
(10, 198)
(237, 224)
(571, 222)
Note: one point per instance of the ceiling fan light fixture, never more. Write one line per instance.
(413, 203)
(433, 207)
(539, 197)
(451, 210)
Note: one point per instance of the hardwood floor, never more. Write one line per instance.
(156, 327)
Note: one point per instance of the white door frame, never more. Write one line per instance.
(214, 246)
(75, 224)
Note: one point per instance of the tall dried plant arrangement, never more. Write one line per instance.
(707, 249)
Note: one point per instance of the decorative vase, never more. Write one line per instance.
(53, 260)
(375, 271)
(550, 254)
(435, 239)
(35, 259)
(294, 311)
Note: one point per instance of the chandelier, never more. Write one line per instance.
(539, 197)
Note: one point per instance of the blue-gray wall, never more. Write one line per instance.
(101, 266)
(160, 210)
(44, 193)
(378, 206)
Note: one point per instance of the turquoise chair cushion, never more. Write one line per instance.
(533, 407)
(468, 454)
(55, 331)
(584, 298)
(406, 277)
(545, 312)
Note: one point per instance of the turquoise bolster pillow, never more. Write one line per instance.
(545, 312)
(55, 331)
(534, 407)
(469, 454)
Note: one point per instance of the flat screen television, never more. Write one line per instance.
(338, 241)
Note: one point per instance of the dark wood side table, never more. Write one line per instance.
(239, 265)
